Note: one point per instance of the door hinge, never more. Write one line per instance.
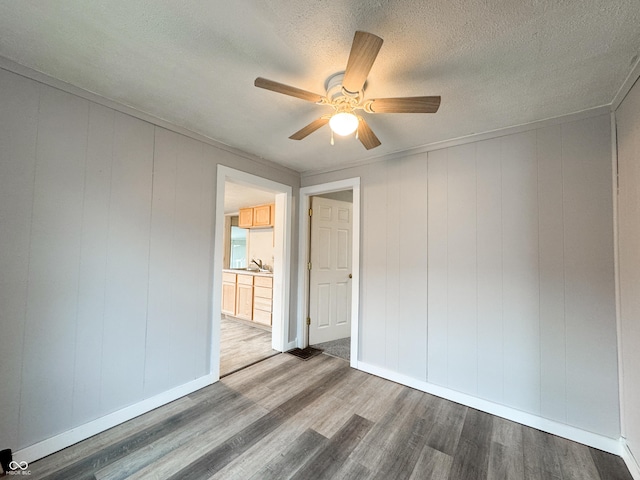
(308, 320)
(309, 266)
(310, 211)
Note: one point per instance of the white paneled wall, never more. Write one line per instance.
(522, 285)
(628, 128)
(487, 269)
(106, 248)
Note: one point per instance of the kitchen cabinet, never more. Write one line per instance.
(228, 293)
(244, 297)
(260, 216)
(247, 296)
(245, 218)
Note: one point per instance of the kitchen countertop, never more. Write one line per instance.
(241, 271)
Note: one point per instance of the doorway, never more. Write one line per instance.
(328, 298)
(249, 263)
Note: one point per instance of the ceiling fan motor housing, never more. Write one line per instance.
(333, 85)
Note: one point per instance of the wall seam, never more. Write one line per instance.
(26, 298)
(82, 230)
(564, 275)
(106, 257)
(475, 173)
(146, 321)
(539, 287)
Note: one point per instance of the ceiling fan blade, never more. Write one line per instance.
(364, 51)
(287, 90)
(366, 135)
(309, 129)
(404, 105)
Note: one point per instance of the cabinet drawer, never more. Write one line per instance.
(228, 277)
(263, 282)
(245, 279)
(262, 292)
(263, 304)
(262, 317)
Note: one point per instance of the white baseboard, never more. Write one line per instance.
(82, 432)
(566, 431)
(630, 460)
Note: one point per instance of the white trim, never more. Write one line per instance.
(282, 258)
(475, 137)
(77, 434)
(303, 248)
(591, 439)
(630, 460)
(13, 67)
(626, 86)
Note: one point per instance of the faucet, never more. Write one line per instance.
(258, 262)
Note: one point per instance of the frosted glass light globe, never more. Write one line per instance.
(343, 123)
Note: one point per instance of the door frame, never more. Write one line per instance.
(304, 247)
(281, 262)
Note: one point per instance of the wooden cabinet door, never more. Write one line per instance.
(228, 298)
(245, 218)
(228, 293)
(244, 301)
(262, 216)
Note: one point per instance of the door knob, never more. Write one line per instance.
(350, 276)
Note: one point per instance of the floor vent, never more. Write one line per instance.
(305, 353)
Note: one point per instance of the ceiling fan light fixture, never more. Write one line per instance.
(343, 123)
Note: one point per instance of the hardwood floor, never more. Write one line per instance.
(285, 418)
(242, 344)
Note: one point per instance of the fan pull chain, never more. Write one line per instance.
(332, 143)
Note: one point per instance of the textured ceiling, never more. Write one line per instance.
(496, 63)
(238, 196)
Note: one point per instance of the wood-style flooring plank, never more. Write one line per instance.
(284, 466)
(540, 456)
(447, 427)
(610, 467)
(506, 454)
(339, 406)
(432, 465)
(401, 459)
(326, 463)
(471, 459)
(575, 460)
(273, 388)
(383, 437)
(242, 344)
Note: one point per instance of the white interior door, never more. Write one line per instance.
(330, 275)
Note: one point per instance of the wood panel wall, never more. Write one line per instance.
(488, 268)
(106, 244)
(628, 130)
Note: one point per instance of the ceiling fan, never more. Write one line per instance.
(345, 93)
